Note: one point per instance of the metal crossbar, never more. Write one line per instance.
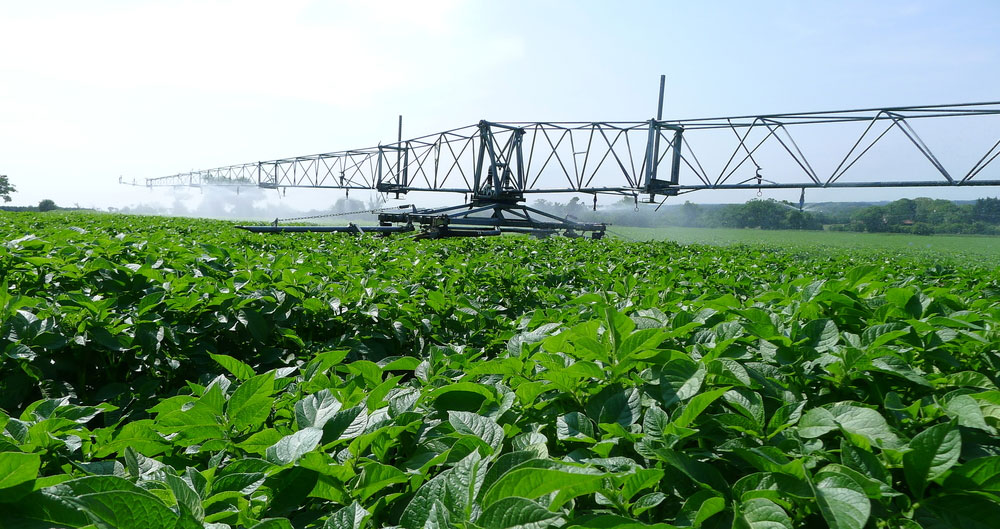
(508, 160)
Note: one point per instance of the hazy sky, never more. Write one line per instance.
(90, 91)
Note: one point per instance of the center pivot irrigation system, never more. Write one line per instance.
(497, 165)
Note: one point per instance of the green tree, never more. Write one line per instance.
(47, 205)
(5, 188)
(689, 214)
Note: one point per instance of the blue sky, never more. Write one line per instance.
(93, 90)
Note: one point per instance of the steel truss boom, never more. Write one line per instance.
(508, 160)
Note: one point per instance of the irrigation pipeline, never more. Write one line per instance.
(344, 214)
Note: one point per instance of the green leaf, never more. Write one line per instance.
(958, 511)
(748, 403)
(462, 485)
(966, 409)
(250, 405)
(259, 442)
(419, 509)
(375, 478)
(702, 473)
(463, 396)
(185, 495)
(979, 474)
(484, 428)
(575, 426)
(517, 513)
(680, 380)
(699, 507)
(138, 435)
(821, 335)
(841, 500)
(316, 409)
(696, 406)
(615, 405)
(932, 452)
(816, 422)
(654, 422)
(291, 447)
(647, 502)
(17, 468)
(865, 422)
(761, 513)
(124, 508)
(532, 483)
(349, 517)
(234, 366)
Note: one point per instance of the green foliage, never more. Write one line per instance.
(6, 188)
(170, 373)
(923, 216)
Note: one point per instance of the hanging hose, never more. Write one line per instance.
(326, 215)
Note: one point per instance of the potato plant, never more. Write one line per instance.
(166, 373)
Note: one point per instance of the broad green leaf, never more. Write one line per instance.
(349, 517)
(462, 485)
(615, 405)
(316, 409)
(517, 513)
(185, 495)
(966, 409)
(532, 483)
(958, 511)
(484, 428)
(291, 447)
(654, 422)
(647, 502)
(878, 335)
(575, 426)
(140, 436)
(698, 471)
(418, 510)
(979, 474)
(865, 422)
(375, 478)
(761, 513)
(250, 404)
(259, 442)
(17, 468)
(463, 396)
(124, 508)
(841, 500)
(701, 506)
(680, 380)
(696, 406)
(932, 452)
(234, 366)
(863, 461)
(821, 335)
(748, 403)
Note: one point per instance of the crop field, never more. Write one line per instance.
(172, 373)
(947, 247)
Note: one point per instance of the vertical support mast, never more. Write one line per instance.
(653, 141)
(399, 144)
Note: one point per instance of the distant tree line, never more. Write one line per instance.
(919, 216)
(45, 205)
(927, 216)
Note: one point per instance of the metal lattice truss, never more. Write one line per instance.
(501, 161)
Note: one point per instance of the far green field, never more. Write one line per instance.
(955, 246)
